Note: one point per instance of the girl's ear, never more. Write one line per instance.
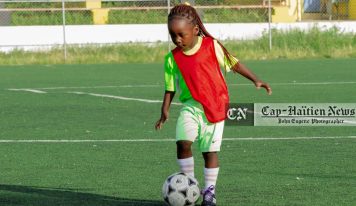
(196, 30)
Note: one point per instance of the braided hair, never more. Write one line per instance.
(185, 11)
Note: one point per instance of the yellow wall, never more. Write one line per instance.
(340, 10)
(352, 9)
(93, 4)
(100, 16)
(283, 14)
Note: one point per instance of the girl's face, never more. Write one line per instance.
(183, 33)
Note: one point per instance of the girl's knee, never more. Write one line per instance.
(184, 145)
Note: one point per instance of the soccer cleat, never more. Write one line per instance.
(209, 197)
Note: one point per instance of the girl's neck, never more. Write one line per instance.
(194, 48)
(195, 41)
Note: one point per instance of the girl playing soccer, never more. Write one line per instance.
(194, 67)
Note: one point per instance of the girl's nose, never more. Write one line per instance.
(178, 40)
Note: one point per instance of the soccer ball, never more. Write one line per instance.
(180, 189)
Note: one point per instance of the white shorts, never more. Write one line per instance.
(193, 125)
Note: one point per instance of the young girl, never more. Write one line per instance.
(193, 67)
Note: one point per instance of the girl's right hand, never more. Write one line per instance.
(161, 121)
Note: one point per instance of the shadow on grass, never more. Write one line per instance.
(11, 195)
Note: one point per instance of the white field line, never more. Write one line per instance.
(350, 122)
(299, 83)
(121, 97)
(29, 90)
(285, 138)
(100, 87)
(170, 140)
(157, 85)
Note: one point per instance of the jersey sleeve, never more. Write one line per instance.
(223, 61)
(169, 73)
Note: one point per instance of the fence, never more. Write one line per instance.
(81, 12)
(70, 18)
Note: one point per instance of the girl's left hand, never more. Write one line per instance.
(265, 85)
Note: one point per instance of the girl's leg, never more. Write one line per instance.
(184, 149)
(185, 157)
(211, 172)
(211, 169)
(211, 159)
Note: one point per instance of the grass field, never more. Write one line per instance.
(92, 102)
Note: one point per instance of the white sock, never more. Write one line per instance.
(210, 176)
(187, 165)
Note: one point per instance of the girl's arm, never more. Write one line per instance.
(244, 71)
(167, 99)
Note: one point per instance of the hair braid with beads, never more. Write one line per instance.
(189, 13)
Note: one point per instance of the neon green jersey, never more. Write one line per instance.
(174, 80)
